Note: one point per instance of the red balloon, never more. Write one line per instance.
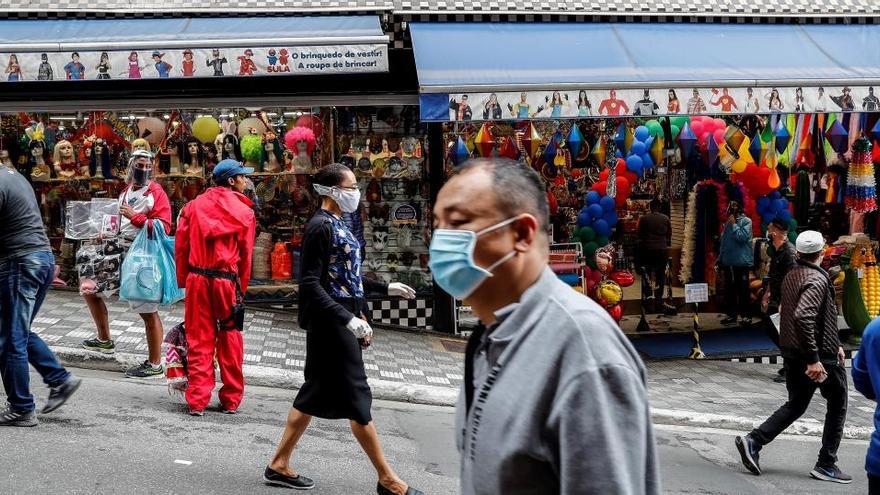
(720, 124)
(616, 312)
(312, 122)
(705, 137)
(603, 175)
(623, 187)
(630, 176)
(697, 126)
(719, 135)
(600, 187)
(621, 164)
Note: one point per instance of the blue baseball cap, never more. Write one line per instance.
(230, 168)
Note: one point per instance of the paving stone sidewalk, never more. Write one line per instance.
(273, 340)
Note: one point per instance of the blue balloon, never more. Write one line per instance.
(647, 162)
(610, 218)
(780, 205)
(642, 133)
(768, 217)
(593, 197)
(584, 219)
(595, 211)
(602, 228)
(634, 163)
(775, 195)
(618, 154)
(784, 215)
(762, 204)
(649, 142)
(607, 203)
(638, 148)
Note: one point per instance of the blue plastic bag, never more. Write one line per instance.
(170, 292)
(141, 273)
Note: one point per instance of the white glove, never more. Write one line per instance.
(359, 328)
(401, 290)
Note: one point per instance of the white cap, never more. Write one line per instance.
(809, 242)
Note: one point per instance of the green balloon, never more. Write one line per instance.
(675, 130)
(587, 234)
(792, 225)
(792, 236)
(590, 249)
(602, 241)
(654, 128)
(680, 120)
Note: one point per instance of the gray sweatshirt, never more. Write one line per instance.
(559, 403)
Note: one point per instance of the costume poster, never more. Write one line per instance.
(201, 62)
(652, 102)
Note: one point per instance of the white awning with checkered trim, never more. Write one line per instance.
(588, 8)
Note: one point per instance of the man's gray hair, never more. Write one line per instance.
(518, 188)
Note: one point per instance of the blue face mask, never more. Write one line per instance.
(452, 259)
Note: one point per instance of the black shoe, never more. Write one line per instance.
(749, 453)
(145, 370)
(830, 473)
(102, 346)
(59, 395)
(730, 320)
(11, 417)
(779, 378)
(381, 490)
(298, 482)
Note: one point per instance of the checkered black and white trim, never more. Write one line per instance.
(777, 359)
(410, 313)
(468, 10)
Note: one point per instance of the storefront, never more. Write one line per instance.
(755, 113)
(285, 95)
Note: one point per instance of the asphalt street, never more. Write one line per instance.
(123, 436)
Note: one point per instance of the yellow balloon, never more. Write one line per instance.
(739, 166)
(205, 129)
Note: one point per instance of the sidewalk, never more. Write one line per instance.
(422, 368)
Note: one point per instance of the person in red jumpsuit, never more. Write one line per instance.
(214, 245)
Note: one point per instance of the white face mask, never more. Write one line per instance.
(348, 201)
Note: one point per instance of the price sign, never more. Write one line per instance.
(696, 293)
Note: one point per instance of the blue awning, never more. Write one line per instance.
(459, 57)
(66, 35)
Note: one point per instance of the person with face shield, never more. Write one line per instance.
(213, 250)
(333, 311)
(554, 398)
(142, 201)
(814, 360)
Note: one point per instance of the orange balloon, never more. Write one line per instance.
(773, 181)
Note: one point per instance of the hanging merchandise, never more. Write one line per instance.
(837, 137)
(575, 142)
(860, 196)
(509, 149)
(687, 141)
(485, 142)
(459, 152)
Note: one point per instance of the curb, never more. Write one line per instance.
(261, 376)
(725, 422)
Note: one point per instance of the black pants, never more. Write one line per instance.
(654, 261)
(800, 392)
(736, 290)
(873, 485)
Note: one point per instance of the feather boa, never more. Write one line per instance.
(689, 244)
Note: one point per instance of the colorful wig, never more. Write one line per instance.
(300, 134)
(252, 148)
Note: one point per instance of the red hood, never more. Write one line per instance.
(222, 211)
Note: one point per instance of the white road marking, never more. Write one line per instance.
(181, 461)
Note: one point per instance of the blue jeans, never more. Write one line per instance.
(24, 282)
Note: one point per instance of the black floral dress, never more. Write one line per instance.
(331, 293)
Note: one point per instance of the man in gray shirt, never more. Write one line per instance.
(27, 269)
(554, 397)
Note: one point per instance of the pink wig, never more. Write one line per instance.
(300, 134)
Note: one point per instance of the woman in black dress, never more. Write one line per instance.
(333, 312)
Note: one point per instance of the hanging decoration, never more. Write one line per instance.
(509, 149)
(485, 142)
(574, 141)
(783, 137)
(531, 141)
(687, 141)
(459, 152)
(837, 137)
(861, 192)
